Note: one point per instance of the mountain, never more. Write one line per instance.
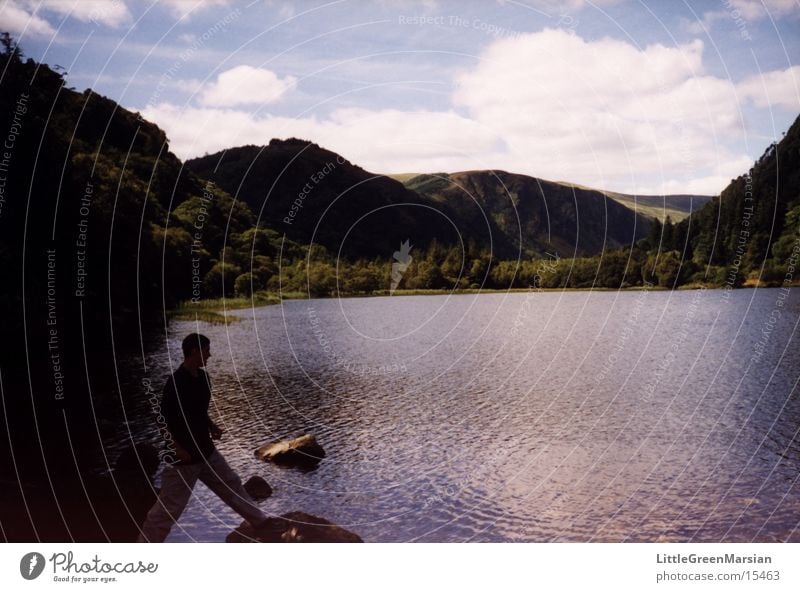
(313, 194)
(517, 213)
(659, 207)
(316, 196)
(676, 207)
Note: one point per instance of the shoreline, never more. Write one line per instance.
(214, 310)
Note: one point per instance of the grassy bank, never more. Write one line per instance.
(212, 310)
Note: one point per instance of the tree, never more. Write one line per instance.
(221, 280)
(612, 270)
(477, 270)
(243, 285)
(452, 266)
(667, 269)
(668, 236)
(321, 278)
(359, 278)
(427, 276)
(11, 51)
(653, 238)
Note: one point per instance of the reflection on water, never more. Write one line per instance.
(529, 417)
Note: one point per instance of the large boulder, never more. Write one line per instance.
(257, 488)
(303, 451)
(294, 527)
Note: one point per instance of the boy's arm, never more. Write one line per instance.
(215, 431)
(176, 423)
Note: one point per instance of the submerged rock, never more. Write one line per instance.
(257, 488)
(302, 451)
(294, 527)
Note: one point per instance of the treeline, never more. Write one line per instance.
(262, 261)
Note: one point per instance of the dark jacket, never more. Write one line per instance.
(185, 409)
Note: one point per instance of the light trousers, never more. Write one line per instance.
(177, 482)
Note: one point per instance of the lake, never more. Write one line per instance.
(541, 416)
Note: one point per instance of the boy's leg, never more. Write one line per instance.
(223, 481)
(177, 482)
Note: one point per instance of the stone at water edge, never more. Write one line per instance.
(301, 451)
(257, 488)
(294, 527)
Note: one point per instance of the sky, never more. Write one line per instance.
(635, 96)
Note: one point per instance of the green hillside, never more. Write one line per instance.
(518, 213)
(661, 207)
(316, 196)
(752, 229)
(676, 207)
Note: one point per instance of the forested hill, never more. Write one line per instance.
(87, 239)
(65, 189)
(549, 217)
(753, 227)
(86, 226)
(313, 195)
(68, 186)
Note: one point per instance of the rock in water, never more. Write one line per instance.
(257, 488)
(294, 527)
(302, 451)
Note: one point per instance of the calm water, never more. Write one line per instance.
(515, 417)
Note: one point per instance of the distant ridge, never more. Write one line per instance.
(676, 206)
(314, 195)
(549, 216)
(366, 214)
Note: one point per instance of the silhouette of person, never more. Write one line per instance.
(184, 405)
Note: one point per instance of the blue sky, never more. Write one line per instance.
(633, 96)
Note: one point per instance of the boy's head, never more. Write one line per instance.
(196, 347)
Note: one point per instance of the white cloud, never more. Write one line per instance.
(16, 20)
(779, 88)
(245, 85)
(703, 25)
(711, 184)
(184, 9)
(753, 10)
(112, 13)
(602, 113)
(383, 141)
(599, 113)
(740, 12)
